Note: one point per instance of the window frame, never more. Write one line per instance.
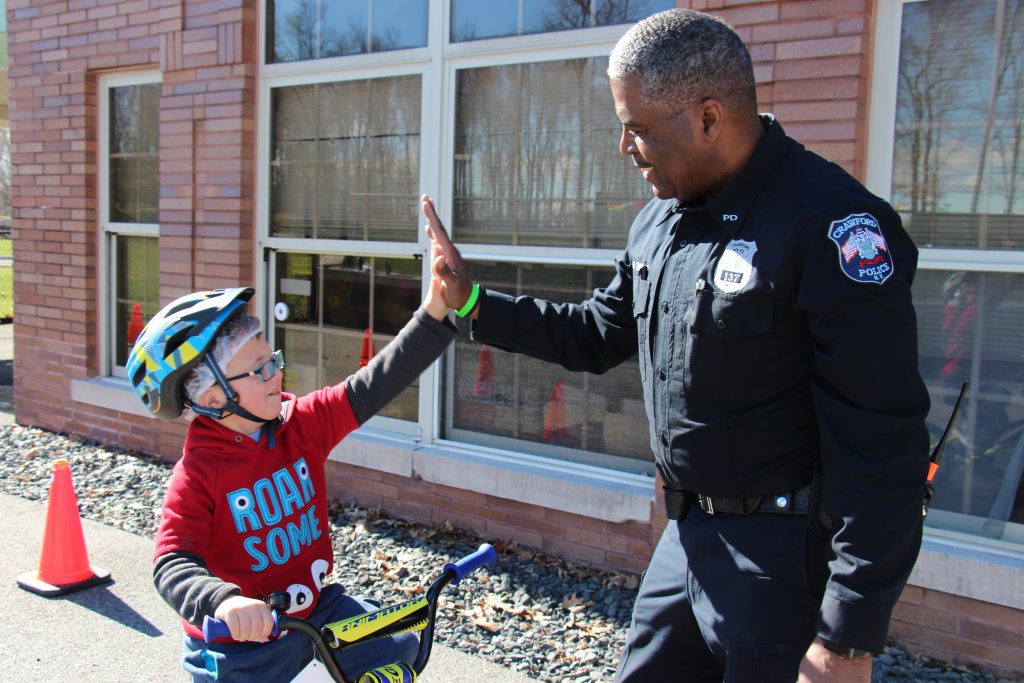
(110, 230)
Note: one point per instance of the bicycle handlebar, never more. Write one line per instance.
(485, 554)
(214, 628)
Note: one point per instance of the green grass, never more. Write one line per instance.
(6, 282)
(6, 292)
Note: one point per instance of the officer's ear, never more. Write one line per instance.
(712, 119)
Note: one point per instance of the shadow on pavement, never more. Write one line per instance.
(106, 604)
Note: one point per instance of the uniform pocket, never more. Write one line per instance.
(730, 346)
(730, 316)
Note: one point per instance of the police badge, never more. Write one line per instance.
(735, 266)
(863, 253)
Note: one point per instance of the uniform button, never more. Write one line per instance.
(682, 243)
(661, 375)
(721, 324)
(664, 307)
(782, 502)
(662, 438)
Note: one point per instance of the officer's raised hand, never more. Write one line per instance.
(446, 261)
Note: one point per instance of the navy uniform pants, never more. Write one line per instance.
(727, 598)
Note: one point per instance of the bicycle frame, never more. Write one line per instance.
(417, 615)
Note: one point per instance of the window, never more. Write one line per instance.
(517, 402)
(315, 29)
(346, 160)
(478, 19)
(522, 158)
(129, 208)
(333, 312)
(957, 178)
(536, 157)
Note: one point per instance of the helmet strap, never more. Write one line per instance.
(231, 406)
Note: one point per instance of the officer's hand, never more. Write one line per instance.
(446, 261)
(821, 665)
(246, 618)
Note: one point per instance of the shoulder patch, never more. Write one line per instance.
(863, 253)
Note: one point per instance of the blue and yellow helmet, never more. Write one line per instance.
(174, 341)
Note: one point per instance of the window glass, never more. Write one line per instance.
(346, 160)
(339, 310)
(478, 19)
(971, 326)
(136, 295)
(134, 139)
(495, 396)
(314, 29)
(957, 181)
(537, 160)
(958, 158)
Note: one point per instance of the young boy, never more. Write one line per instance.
(245, 512)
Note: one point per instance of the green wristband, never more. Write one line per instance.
(470, 302)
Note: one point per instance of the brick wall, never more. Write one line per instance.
(812, 61)
(207, 53)
(951, 628)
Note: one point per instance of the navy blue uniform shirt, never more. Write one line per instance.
(775, 328)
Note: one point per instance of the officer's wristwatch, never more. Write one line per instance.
(842, 650)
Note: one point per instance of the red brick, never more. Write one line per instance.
(821, 47)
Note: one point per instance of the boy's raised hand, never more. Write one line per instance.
(246, 618)
(446, 261)
(434, 304)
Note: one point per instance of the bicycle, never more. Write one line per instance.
(418, 615)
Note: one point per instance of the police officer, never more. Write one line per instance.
(767, 294)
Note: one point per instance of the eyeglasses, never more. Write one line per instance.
(265, 370)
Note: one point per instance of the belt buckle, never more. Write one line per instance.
(705, 504)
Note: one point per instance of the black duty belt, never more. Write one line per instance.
(678, 502)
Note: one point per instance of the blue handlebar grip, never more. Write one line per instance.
(470, 563)
(215, 628)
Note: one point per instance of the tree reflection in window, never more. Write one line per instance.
(315, 29)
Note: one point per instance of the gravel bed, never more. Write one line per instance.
(534, 613)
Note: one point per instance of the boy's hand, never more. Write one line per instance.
(434, 304)
(446, 261)
(247, 618)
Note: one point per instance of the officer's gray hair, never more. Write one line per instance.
(232, 337)
(684, 56)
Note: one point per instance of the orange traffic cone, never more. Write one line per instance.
(135, 324)
(484, 389)
(64, 563)
(368, 351)
(556, 427)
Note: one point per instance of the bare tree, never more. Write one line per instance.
(1008, 137)
(937, 58)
